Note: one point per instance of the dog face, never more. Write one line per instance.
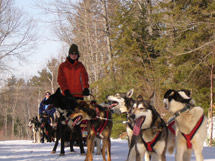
(176, 100)
(30, 123)
(122, 102)
(83, 112)
(34, 123)
(142, 113)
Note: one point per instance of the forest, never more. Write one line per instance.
(147, 45)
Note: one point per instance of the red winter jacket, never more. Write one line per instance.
(73, 77)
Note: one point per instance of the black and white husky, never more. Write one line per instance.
(34, 125)
(150, 132)
(191, 124)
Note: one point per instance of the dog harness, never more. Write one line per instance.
(189, 137)
(149, 145)
(171, 122)
(171, 128)
(102, 126)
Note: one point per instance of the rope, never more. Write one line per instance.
(102, 118)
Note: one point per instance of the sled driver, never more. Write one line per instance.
(72, 75)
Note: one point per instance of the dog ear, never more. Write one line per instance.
(58, 91)
(187, 92)
(152, 98)
(169, 93)
(130, 93)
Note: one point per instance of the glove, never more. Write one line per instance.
(86, 92)
(44, 112)
(67, 93)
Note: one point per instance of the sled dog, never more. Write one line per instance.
(99, 125)
(34, 125)
(123, 103)
(65, 130)
(150, 132)
(191, 124)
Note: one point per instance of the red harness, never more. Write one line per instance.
(171, 128)
(102, 126)
(189, 137)
(149, 145)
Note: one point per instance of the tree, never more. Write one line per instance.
(16, 33)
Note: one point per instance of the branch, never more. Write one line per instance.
(191, 51)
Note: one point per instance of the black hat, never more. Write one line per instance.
(74, 49)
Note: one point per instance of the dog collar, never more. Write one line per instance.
(186, 107)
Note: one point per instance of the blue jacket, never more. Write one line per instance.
(44, 107)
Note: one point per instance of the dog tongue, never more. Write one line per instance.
(138, 123)
(76, 121)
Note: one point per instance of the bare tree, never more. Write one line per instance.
(52, 69)
(16, 33)
(85, 23)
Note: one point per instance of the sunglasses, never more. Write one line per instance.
(47, 94)
(73, 53)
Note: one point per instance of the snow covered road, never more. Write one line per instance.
(25, 150)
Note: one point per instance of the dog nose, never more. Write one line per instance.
(132, 116)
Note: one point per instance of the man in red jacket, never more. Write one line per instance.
(72, 75)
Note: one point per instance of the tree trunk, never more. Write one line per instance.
(5, 123)
(109, 46)
(38, 103)
(211, 103)
(14, 112)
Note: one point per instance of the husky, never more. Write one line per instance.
(99, 125)
(150, 132)
(123, 103)
(191, 124)
(34, 125)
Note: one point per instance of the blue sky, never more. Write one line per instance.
(46, 48)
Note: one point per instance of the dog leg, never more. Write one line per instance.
(62, 134)
(108, 149)
(147, 156)
(93, 145)
(156, 157)
(187, 155)
(98, 146)
(55, 146)
(179, 151)
(198, 152)
(34, 134)
(90, 139)
(131, 154)
(105, 145)
(80, 140)
(71, 142)
(129, 133)
(132, 149)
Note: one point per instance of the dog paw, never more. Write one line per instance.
(62, 154)
(72, 151)
(53, 152)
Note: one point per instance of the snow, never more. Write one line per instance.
(25, 150)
